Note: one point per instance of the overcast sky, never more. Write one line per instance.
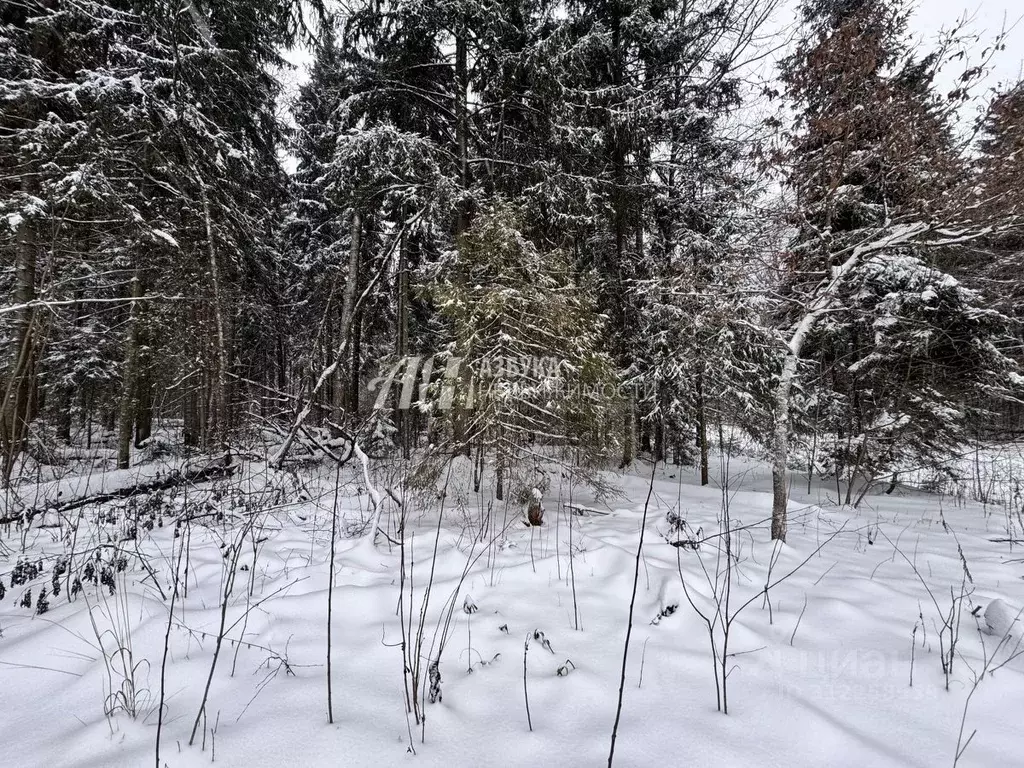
(989, 17)
(986, 19)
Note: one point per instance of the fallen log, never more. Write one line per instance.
(581, 511)
(171, 480)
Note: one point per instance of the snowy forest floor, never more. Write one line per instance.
(840, 664)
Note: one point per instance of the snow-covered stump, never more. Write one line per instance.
(535, 512)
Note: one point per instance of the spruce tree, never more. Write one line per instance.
(532, 376)
(873, 170)
(143, 151)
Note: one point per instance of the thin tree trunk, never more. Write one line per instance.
(658, 450)
(826, 300)
(67, 394)
(780, 448)
(702, 431)
(354, 371)
(16, 408)
(348, 300)
(188, 417)
(64, 407)
(462, 217)
(129, 385)
(462, 125)
(331, 396)
(218, 422)
(628, 433)
(143, 408)
(282, 365)
(402, 342)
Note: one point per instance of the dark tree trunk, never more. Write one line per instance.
(402, 342)
(193, 429)
(17, 408)
(144, 411)
(354, 369)
(64, 408)
(702, 431)
(129, 384)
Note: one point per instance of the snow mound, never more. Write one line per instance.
(1002, 620)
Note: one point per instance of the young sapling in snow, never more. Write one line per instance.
(469, 608)
(539, 638)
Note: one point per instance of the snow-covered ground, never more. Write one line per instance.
(819, 670)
